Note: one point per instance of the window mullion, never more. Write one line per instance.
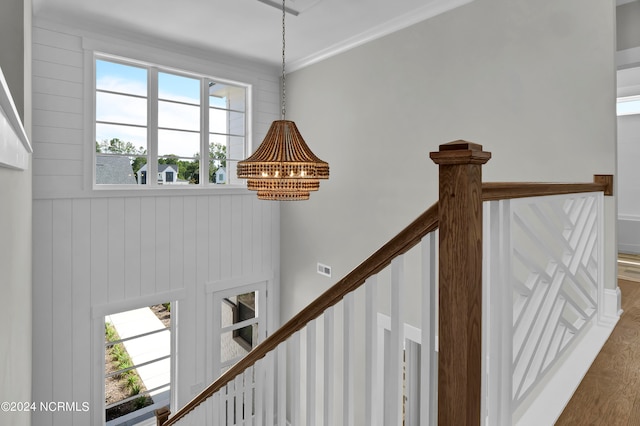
(152, 130)
(204, 132)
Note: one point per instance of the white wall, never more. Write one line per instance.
(533, 82)
(627, 28)
(628, 37)
(102, 251)
(15, 222)
(628, 172)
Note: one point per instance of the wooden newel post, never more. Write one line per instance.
(162, 415)
(460, 281)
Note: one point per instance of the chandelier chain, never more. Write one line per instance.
(284, 111)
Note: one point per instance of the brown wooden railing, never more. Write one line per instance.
(405, 240)
(462, 192)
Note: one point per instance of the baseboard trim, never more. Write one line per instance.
(545, 406)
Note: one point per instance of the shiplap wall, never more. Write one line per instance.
(101, 251)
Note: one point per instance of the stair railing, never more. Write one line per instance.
(290, 379)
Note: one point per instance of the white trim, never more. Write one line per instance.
(428, 11)
(104, 309)
(410, 332)
(628, 58)
(245, 280)
(612, 306)
(559, 384)
(629, 217)
(14, 143)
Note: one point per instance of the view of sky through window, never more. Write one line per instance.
(125, 103)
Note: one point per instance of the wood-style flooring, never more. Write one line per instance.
(610, 392)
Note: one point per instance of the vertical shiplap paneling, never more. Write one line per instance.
(225, 235)
(214, 238)
(42, 307)
(62, 310)
(202, 273)
(115, 248)
(132, 247)
(147, 246)
(177, 242)
(236, 235)
(122, 248)
(163, 244)
(247, 235)
(81, 306)
(257, 233)
(188, 370)
(99, 251)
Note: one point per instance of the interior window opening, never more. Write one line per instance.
(137, 353)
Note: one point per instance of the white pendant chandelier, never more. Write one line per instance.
(283, 167)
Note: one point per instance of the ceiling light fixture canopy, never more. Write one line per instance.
(283, 167)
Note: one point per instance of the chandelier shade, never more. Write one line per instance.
(283, 167)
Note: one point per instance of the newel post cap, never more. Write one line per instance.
(460, 152)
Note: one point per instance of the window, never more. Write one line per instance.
(629, 105)
(137, 378)
(166, 122)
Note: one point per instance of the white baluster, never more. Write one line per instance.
(295, 377)
(223, 412)
(373, 388)
(428, 354)
(249, 387)
(395, 386)
(311, 373)
(214, 409)
(349, 334)
(259, 387)
(239, 399)
(269, 389)
(328, 415)
(282, 384)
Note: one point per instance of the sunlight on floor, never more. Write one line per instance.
(629, 266)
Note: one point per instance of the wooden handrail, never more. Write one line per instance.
(492, 191)
(401, 243)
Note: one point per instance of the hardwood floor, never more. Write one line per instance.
(610, 392)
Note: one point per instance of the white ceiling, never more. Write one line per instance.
(249, 28)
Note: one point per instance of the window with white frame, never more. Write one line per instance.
(137, 372)
(629, 105)
(149, 120)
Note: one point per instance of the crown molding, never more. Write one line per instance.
(426, 12)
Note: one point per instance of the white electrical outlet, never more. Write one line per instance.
(324, 270)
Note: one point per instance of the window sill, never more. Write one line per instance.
(15, 147)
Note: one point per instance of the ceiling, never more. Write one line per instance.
(248, 28)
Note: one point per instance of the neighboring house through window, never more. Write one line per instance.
(154, 120)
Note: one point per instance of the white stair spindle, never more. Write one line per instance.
(328, 415)
(348, 373)
(238, 398)
(295, 386)
(311, 373)
(249, 387)
(428, 354)
(282, 384)
(397, 343)
(372, 379)
(268, 390)
(214, 409)
(259, 386)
